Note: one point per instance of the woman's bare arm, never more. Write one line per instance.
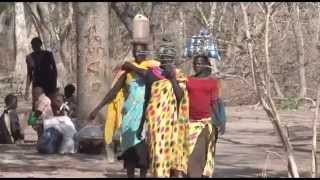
(110, 96)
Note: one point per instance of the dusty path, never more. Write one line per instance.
(241, 152)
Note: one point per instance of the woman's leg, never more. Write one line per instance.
(198, 157)
(130, 169)
(176, 173)
(143, 172)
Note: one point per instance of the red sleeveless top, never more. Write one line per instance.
(202, 93)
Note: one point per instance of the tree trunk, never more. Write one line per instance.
(314, 171)
(231, 49)
(298, 33)
(267, 10)
(92, 31)
(22, 46)
(266, 46)
(212, 17)
(222, 17)
(277, 86)
(250, 46)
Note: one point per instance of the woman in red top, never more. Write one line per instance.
(203, 90)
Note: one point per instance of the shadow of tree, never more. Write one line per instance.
(116, 174)
(25, 158)
(236, 172)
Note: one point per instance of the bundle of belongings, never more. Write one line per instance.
(202, 44)
(58, 136)
(90, 140)
(50, 141)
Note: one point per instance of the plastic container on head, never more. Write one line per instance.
(141, 29)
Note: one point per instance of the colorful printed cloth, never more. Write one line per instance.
(125, 111)
(195, 129)
(114, 113)
(132, 113)
(167, 128)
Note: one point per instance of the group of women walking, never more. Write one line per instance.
(165, 117)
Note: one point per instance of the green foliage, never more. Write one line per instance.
(3, 7)
(291, 103)
(6, 6)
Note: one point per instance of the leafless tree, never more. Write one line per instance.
(265, 97)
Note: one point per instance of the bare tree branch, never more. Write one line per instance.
(125, 15)
(266, 100)
(203, 16)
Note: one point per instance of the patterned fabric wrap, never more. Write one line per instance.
(195, 128)
(115, 115)
(132, 112)
(167, 128)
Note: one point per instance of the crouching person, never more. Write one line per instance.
(55, 130)
(63, 124)
(41, 110)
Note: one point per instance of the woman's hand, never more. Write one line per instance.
(93, 114)
(139, 133)
(170, 72)
(222, 128)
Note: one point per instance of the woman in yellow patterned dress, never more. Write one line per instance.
(166, 113)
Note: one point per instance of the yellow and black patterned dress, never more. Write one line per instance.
(167, 128)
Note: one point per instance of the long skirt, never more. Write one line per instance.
(136, 156)
(135, 151)
(202, 144)
(167, 130)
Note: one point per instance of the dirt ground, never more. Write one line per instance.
(241, 152)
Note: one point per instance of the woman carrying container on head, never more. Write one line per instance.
(125, 108)
(166, 112)
(204, 104)
(126, 101)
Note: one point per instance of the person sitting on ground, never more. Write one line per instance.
(59, 107)
(70, 98)
(62, 122)
(9, 122)
(41, 108)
